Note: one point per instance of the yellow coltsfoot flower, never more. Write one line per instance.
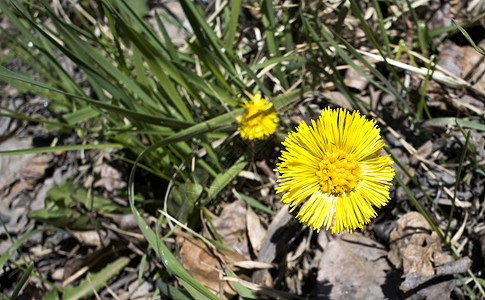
(259, 120)
(333, 167)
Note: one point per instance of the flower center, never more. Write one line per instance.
(339, 173)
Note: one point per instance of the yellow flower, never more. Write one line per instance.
(258, 120)
(334, 167)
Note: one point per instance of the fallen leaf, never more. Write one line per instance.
(90, 237)
(413, 244)
(256, 231)
(454, 267)
(231, 226)
(352, 267)
(438, 291)
(10, 165)
(206, 264)
(110, 179)
(353, 79)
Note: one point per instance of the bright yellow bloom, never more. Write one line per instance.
(258, 120)
(334, 167)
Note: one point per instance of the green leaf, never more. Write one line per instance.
(255, 203)
(68, 205)
(80, 115)
(51, 295)
(224, 179)
(182, 200)
(61, 217)
(171, 292)
(139, 7)
(94, 282)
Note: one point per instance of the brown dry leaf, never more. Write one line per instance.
(353, 79)
(90, 237)
(34, 169)
(451, 58)
(413, 245)
(438, 291)
(205, 264)
(422, 152)
(10, 165)
(110, 179)
(231, 226)
(441, 290)
(417, 249)
(352, 267)
(256, 231)
(337, 99)
(454, 267)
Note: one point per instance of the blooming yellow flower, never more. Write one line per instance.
(334, 167)
(258, 120)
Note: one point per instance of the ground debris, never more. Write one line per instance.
(206, 264)
(352, 266)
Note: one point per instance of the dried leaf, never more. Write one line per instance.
(354, 80)
(205, 264)
(256, 231)
(110, 179)
(455, 267)
(90, 237)
(231, 226)
(355, 268)
(413, 245)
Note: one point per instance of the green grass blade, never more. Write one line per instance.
(53, 124)
(382, 28)
(269, 23)
(255, 203)
(22, 281)
(94, 282)
(197, 290)
(223, 179)
(241, 290)
(357, 68)
(205, 34)
(7, 75)
(418, 206)
(58, 148)
(373, 41)
(468, 38)
(170, 291)
(232, 25)
(80, 115)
